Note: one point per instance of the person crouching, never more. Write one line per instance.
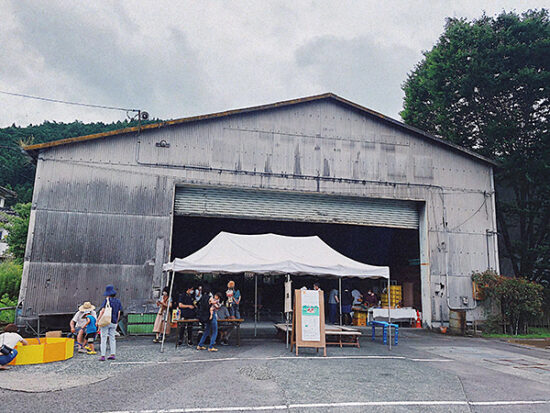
(8, 340)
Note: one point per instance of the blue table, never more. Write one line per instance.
(385, 325)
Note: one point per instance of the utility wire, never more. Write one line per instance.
(67, 102)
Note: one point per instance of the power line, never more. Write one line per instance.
(67, 102)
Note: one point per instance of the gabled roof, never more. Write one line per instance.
(34, 149)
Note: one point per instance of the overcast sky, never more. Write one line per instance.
(177, 59)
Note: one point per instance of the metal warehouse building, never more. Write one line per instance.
(113, 207)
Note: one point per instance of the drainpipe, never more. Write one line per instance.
(494, 232)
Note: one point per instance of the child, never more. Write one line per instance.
(215, 304)
(91, 331)
(233, 300)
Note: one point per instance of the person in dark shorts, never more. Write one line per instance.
(91, 331)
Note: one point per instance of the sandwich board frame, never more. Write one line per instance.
(297, 320)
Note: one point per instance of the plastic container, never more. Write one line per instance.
(46, 350)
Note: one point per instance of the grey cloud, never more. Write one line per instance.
(359, 69)
(176, 59)
(123, 70)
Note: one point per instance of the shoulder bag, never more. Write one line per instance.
(105, 319)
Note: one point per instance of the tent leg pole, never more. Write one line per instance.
(255, 302)
(389, 313)
(287, 314)
(167, 313)
(340, 298)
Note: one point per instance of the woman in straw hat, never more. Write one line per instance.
(78, 323)
(90, 327)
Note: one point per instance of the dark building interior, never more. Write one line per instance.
(393, 247)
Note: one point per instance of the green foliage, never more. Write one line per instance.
(17, 170)
(518, 299)
(7, 316)
(486, 86)
(18, 226)
(10, 278)
(534, 332)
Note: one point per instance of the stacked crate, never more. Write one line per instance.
(141, 323)
(396, 296)
(359, 318)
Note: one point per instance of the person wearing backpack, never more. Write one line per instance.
(107, 321)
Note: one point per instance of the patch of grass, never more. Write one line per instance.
(7, 316)
(535, 332)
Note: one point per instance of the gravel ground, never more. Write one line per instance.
(424, 370)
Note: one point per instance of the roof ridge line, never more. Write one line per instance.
(32, 149)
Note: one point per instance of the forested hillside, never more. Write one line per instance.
(17, 169)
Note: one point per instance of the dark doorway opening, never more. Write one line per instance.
(393, 247)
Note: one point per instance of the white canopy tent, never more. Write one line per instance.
(273, 254)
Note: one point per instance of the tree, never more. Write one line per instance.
(17, 170)
(485, 85)
(519, 300)
(18, 227)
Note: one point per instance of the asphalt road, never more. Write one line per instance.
(425, 373)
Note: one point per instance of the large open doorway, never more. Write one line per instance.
(393, 247)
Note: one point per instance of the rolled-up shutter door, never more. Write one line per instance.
(291, 206)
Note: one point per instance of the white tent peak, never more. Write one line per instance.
(273, 254)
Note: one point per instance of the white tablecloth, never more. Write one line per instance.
(406, 313)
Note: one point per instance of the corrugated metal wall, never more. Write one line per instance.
(103, 209)
(94, 228)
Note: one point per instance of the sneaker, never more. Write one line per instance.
(102, 358)
(156, 340)
(212, 349)
(189, 343)
(224, 343)
(111, 357)
(88, 348)
(82, 350)
(91, 352)
(201, 348)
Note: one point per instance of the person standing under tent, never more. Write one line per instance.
(211, 328)
(347, 300)
(333, 302)
(233, 299)
(370, 299)
(8, 340)
(109, 330)
(198, 294)
(164, 304)
(224, 332)
(187, 305)
(357, 297)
